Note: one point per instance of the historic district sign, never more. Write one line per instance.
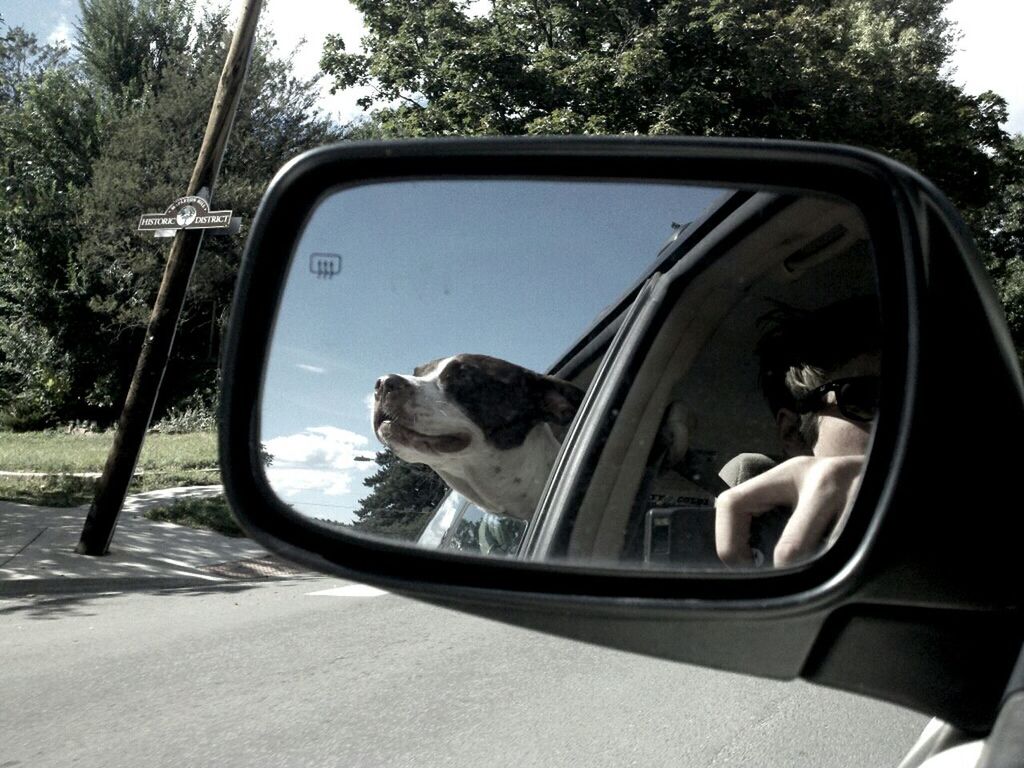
(191, 212)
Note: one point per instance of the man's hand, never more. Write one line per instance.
(819, 490)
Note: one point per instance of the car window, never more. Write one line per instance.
(459, 524)
(444, 517)
(480, 532)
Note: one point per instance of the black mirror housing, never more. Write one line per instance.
(910, 563)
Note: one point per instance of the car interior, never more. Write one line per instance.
(695, 402)
(652, 497)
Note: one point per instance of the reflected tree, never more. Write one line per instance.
(402, 499)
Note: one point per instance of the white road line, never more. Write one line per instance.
(350, 590)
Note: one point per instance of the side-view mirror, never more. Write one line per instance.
(693, 398)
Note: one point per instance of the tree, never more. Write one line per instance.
(90, 140)
(145, 163)
(50, 124)
(125, 45)
(866, 72)
(1000, 230)
(403, 496)
(23, 60)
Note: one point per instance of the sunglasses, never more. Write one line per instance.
(855, 397)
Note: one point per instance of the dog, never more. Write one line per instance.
(491, 429)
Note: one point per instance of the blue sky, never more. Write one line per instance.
(514, 269)
(988, 56)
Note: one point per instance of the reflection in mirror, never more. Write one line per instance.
(436, 339)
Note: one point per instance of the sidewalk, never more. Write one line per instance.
(37, 551)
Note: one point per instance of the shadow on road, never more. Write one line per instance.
(84, 605)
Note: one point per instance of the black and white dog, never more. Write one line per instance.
(491, 429)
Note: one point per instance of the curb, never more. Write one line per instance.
(78, 586)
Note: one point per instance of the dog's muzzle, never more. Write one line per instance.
(394, 427)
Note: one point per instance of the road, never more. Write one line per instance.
(272, 674)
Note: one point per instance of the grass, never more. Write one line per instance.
(50, 491)
(56, 452)
(209, 514)
(166, 461)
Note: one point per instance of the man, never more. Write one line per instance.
(819, 373)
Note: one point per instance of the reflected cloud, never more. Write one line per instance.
(324, 459)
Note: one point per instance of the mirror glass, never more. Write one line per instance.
(437, 340)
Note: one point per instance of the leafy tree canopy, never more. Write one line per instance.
(91, 138)
(865, 72)
(125, 45)
(50, 124)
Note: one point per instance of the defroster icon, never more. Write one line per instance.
(325, 265)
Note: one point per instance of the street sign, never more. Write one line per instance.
(190, 212)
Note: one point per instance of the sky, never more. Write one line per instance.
(988, 57)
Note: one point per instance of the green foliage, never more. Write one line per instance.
(403, 497)
(1000, 230)
(187, 419)
(125, 45)
(92, 138)
(866, 72)
(145, 163)
(49, 136)
(23, 60)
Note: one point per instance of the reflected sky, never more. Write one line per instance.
(390, 276)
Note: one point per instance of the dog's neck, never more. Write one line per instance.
(508, 482)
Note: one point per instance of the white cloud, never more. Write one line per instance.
(324, 459)
(310, 368)
(289, 482)
(987, 49)
(61, 33)
(309, 23)
(478, 8)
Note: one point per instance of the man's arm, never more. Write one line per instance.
(819, 490)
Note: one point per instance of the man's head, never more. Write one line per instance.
(819, 373)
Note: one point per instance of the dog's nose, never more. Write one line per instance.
(387, 384)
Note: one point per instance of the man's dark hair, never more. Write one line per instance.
(798, 348)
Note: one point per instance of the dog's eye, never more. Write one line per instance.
(453, 373)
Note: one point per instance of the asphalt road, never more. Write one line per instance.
(269, 674)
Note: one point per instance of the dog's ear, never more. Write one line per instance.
(560, 400)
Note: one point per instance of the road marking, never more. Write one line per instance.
(350, 590)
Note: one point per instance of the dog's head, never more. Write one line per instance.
(487, 426)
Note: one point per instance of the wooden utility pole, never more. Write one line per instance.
(112, 486)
